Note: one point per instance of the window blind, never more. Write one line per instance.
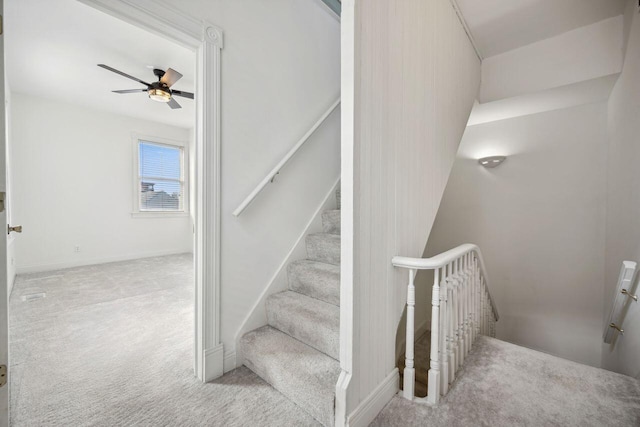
(161, 182)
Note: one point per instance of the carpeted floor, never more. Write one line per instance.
(505, 385)
(111, 345)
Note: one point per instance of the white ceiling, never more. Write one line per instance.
(52, 48)
(498, 26)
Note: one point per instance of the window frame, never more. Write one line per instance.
(137, 212)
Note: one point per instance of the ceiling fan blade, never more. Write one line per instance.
(106, 67)
(129, 91)
(183, 94)
(173, 104)
(170, 77)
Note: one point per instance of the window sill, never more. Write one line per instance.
(155, 214)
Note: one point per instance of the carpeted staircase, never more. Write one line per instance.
(297, 351)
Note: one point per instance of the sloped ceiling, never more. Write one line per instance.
(52, 48)
(498, 26)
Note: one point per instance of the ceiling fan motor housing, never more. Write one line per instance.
(158, 73)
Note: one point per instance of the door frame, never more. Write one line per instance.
(206, 40)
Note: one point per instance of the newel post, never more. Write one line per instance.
(409, 370)
(433, 393)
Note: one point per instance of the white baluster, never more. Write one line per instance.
(444, 326)
(467, 303)
(493, 323)
(456, 307)
(473, 300)
(451, 352)
(409, 370)
(477, 298)
(487, 304)
(463, 306)
(460, 313)
(433, 393)
(483, 313)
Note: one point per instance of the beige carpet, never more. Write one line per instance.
(505, 385)
(111, 345)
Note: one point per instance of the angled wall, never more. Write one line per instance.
(539, 220)
(579, 55)
(280, 73)
(623, 202)
(410, 77)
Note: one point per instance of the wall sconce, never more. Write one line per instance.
(491, 162)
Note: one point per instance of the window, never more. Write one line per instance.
(160, 180)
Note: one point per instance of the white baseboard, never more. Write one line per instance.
(371, 406)
(257, 316)
(11, 267)
(342, 390)
(229, 361)
(37, 268)
(213, 362)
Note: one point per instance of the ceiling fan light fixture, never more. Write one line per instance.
(160, 95)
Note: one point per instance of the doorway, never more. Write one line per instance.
(202, 213)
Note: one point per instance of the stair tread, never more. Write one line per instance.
(315, 279)
(323, 247)
(314, 322)
(331, 221)
(301, 373)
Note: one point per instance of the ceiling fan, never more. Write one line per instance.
(158, 91)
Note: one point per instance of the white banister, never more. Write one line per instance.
(461, 309)
(409, 370)
(276, 170)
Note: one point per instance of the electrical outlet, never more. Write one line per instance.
(76, 248)
(13, 261)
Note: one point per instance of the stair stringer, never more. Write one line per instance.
(257, 317)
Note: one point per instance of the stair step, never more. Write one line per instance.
(338, 197)
(324, 247)
(331, 221)
(318, 280)
(301, 373)
(306, 319)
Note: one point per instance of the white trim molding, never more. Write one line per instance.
(346, 393)
(371, 406)
(162, 18)
(38, 268)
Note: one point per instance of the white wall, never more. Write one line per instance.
(11, 268)
(582, 54)
(72, 173)
(280, 73)
(539, 220)
(407, 94)
(623, 203)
